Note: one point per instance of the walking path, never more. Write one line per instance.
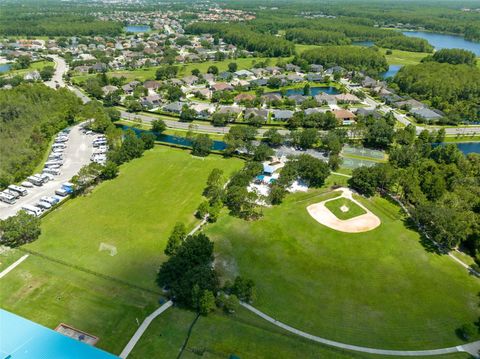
(12, 266)
(141, 329)
(471, 348)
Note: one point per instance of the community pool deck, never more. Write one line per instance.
(21, 338)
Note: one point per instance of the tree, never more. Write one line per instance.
(202, 210)
(214, 189)
(276, 195)
(244, 289)
(166, 72)
(306, 90)
(212, 70)
(334, 161)
(158, 126)
(109, 171)
(468, 331)
(308, 138)
(206, 302)
(274, 82)
(47, 73)
(232, 67)
(133, 105)
(229, 303)
(262, 152)
(148, 140)
(221, 119)
(23, 62)
(187, 114)
(19, 229)
(195, 72)
(273, 137)
(189, 267)
(176, 239)
(201, 145)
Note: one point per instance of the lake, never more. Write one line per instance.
(469, 147)
(5, 67)
(313, 91)
(392, 71)
(174, 140)
(137, 28)
(443, 41)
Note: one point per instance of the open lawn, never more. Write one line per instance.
(186, 69)
(379, 288)
(134, 213)
(50, 293)
(37, 65)
(242, 334)
(344, 209)
(398, 57)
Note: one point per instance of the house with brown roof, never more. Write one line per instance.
(344, 117)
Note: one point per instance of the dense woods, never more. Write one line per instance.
(438, 183)
(244, 37)
(316, 37)
(453, 56)
(29, 116)
(349, 57)
(454, 89)
(405, 43)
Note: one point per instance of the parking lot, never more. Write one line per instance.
(78, 151)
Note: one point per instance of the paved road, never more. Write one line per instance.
(141, 329)
(471, 347)
(60, 69)
(77, 154)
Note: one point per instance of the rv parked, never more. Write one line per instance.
(4, 197)
(22, 191)
(52, 171)
(33, 210)
(46, 177)
(37, 181)
(27, 184)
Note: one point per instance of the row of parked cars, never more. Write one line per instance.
(51, 169)
(100, 149)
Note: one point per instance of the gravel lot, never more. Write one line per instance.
(77, 154)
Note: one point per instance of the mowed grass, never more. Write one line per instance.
(379, 288)
(50, 293)
(338, 206)
(134, 213)
(186, 69)
(243, 334)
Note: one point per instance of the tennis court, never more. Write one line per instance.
(363, 152)
(21, 338)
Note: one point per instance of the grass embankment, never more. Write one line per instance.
(344, 209)
(379, 288)
(96, 290)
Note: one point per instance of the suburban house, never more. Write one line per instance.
(345, 117)
(282, 115)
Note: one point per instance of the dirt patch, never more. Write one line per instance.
(363, 223)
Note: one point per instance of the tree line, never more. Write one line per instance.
(405, 43)
(244, 37)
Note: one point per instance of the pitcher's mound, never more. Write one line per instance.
(362, 223)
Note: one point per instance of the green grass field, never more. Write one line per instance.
(50, 293)
(135, 213)
(242, 334)
(37, 65)
(186, 69)
(353, 209)
(379, 288)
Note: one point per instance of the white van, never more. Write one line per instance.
(51, 200)
(22, 191)
(27, 184)
(61, 192)
(32, 210)
(44, 205)
(4, 197)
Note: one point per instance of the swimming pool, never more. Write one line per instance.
(21, 338)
